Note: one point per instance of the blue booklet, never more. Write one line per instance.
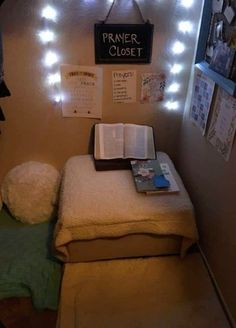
(148, 175)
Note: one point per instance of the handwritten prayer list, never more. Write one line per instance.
(81, 91)
(124, 86)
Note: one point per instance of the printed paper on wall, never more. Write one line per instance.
(81, 88)
(203, 89)
(124, 86)
(152, 87)
(223, 124)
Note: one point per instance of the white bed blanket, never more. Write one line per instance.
(105, 204)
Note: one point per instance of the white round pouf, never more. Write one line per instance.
(30, 191)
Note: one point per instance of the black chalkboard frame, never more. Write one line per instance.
(145, 34)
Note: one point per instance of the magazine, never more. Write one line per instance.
(150, 177)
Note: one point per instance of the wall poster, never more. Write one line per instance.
(223, 124)
(203, 90)
(124, 86)
(81, 88)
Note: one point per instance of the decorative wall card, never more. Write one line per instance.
(81, 88)
(203, 89)
(152, 87)
(123, 43)
(124, 86)
(223, 124)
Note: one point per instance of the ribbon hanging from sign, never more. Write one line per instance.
(123, 43)
(136, 5)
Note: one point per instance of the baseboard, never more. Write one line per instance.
(217, 289)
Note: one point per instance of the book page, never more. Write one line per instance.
(139, 141)
(109, 141)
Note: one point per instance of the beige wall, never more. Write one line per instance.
(34, 127)
(211, 182)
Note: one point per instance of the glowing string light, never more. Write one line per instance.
(185, 27)
(176, 68)
(49, 13)
(46, 36)
(172, 105)
(178, 47)
(50, 58)
(174, 87)
(54, 78)
(57, 98)
(186, 3)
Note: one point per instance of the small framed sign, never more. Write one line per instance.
(123, 43)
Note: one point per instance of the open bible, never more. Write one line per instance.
(115, 144)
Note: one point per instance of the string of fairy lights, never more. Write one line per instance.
(177, 50)
(51, 59)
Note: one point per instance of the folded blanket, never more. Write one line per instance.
(28, 267)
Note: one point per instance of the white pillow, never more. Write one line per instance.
(30, 191)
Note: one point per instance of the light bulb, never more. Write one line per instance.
(57, 98)
(49, 13)
(54, 78)
(178, 47)
(172, 105)
(186, 3)
(174, 87)
(46, 36)
(176, 68)
(50, 58)
(185, 27)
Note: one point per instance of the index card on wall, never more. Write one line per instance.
(81, 88)
(124, 86)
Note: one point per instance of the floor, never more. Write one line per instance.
(19, 313)
(163, 292)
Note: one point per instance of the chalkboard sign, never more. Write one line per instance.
(123, 43)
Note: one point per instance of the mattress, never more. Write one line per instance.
(102, 216)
